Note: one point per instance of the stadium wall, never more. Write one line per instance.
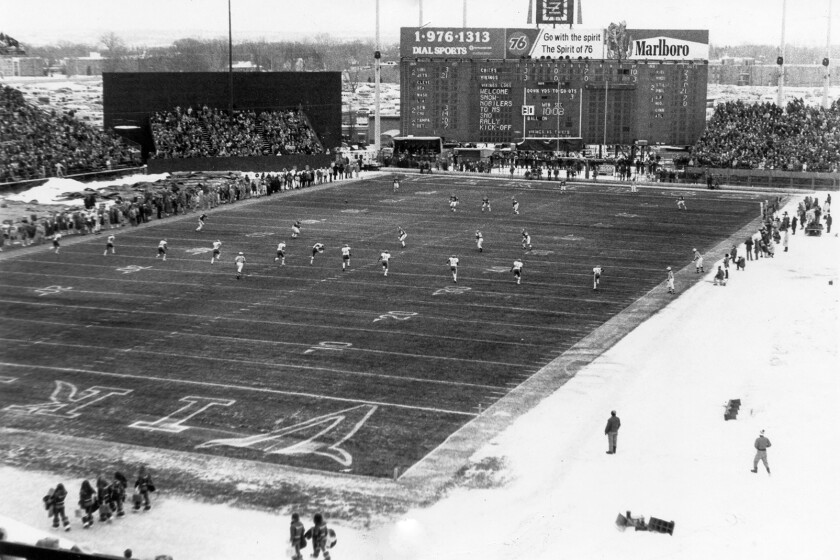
(268, 164)
(129, 98)
(768, 178)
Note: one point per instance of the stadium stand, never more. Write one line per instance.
(211, 132)
(36, 144)
(764, 136)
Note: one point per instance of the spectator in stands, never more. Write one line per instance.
(210, 132)
(33, 141)
(765, 136)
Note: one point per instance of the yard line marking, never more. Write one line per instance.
(137, 350)
(283, 323)
(229, 386)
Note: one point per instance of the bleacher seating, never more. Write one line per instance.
(36, 144)
(211, 132)
(764, 136)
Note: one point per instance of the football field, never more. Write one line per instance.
(310, 366)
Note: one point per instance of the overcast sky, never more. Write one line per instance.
(154, 22)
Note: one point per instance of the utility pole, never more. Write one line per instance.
(377, 123)
(230, 63)
(780, 101)
(420, 21)
(465, 14)
(827, 61)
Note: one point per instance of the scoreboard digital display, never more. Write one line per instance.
(476, 99)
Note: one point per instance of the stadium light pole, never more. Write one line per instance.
(230, 62)
(827, 77)
(377, 123)
(465, 14)
(780, 101)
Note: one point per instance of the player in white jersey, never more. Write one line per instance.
(670, 281)
(596, 277)
(403, 235)
(109, 244)
(240, 264)
(385, 256)
(485, 203)
(396, 184)
(479, 240)
(453, 202)
(681, 203)
(201, 222)
(515, 205)
(317, 248)
(526, 240)
(162, 247)
(217, 252)
(345, 257)
(453, 266)
(281, 253)
(517, 270)
(698, 262)
(295, 229)
(56, 242)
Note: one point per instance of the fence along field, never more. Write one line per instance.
(309, 366)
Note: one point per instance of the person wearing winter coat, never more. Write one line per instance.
(118, 488)
(87, 501)
(613, 424)
(103, 495)
(320, 537)
(296, 537)
(761, 444)
(54, 502)
(142, 487)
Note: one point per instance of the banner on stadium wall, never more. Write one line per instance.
(484, 43)
(668, 44)
(452, 42)
(555, 11)
(455, 42)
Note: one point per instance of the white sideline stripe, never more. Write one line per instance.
(236, 387)
(273, 365)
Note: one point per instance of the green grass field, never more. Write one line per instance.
(312, 367)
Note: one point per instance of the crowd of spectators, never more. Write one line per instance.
(173, 198)
(36, 144)
(765, 136)
(211, 132)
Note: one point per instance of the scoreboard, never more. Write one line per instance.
(601, 101)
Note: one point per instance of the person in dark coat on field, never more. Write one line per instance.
(749, 244)
(613, 424)
(118, 493)
(320, 537)
(828, 221)
(87, 501)
(143, 486)
(54, 502)
(793, 225)
(296, 537)
(103, 494)
(761, 444)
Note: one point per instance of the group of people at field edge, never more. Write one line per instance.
(171, 199)
(323, 538)
(766, 136)
(212, 132)
(35, 144)
(106, 499)
(775, 230)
